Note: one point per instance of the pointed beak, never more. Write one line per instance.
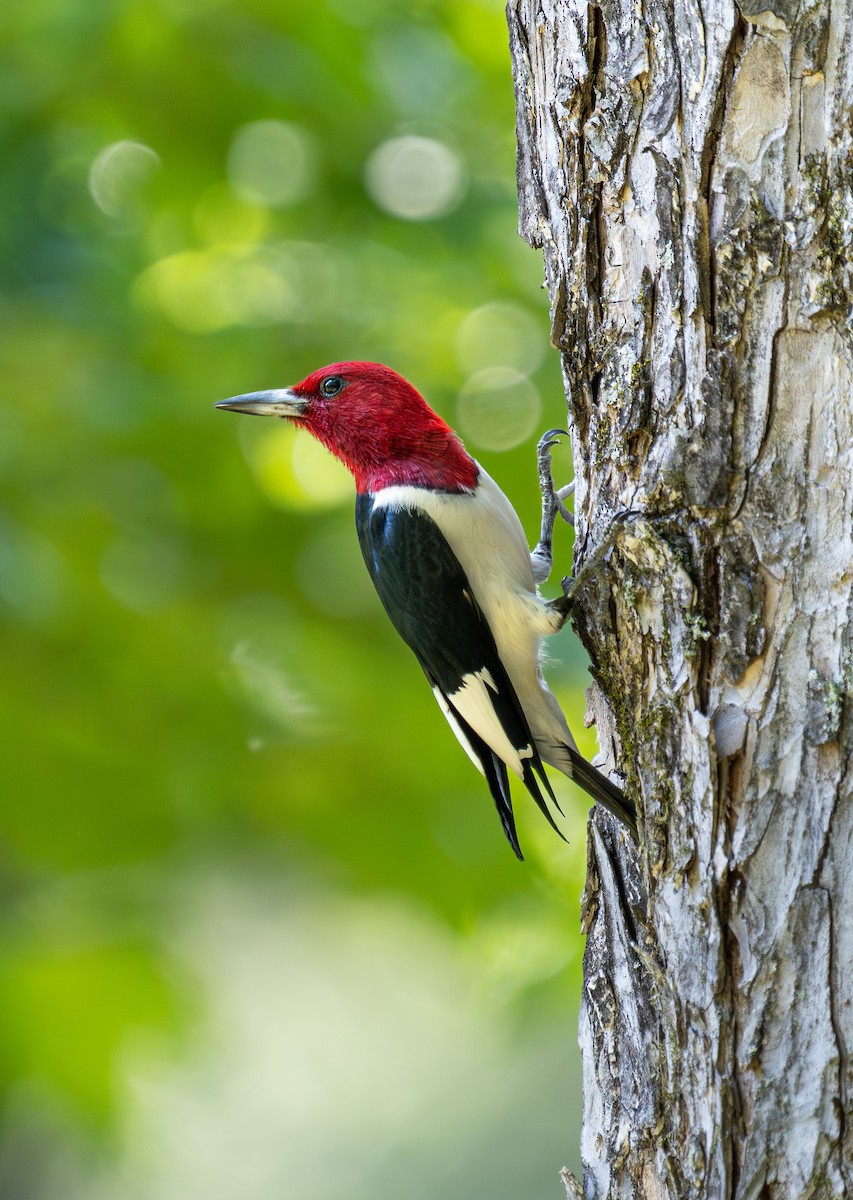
(284, 403)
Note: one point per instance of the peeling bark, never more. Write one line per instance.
(687, 171)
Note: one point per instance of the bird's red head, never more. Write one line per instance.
(376, 423)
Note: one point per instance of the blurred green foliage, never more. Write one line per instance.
(200, 198)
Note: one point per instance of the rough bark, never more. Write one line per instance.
(687, 170)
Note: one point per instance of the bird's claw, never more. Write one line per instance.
(546, 442)
(552, 498)
(552, 503)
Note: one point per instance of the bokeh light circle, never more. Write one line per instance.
(292, 469)
(117, 175)
(500, 335)
(498, 408)
(230, 285)
(415, 178)
(271, 163)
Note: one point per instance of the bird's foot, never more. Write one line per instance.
(562, 606)
(553, 502)
(552, 498)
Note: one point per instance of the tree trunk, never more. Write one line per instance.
(688, 171)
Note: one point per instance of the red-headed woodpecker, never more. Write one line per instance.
(449, 559)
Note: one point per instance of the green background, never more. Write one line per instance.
(261, 934)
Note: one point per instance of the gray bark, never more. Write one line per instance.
(687, 170)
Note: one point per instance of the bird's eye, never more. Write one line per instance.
(331, 385)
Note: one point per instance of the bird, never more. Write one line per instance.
(448, 556)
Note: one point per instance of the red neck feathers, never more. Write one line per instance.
(383, 429)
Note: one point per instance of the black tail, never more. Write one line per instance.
(601, 789)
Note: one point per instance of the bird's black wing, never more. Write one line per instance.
(426, 594)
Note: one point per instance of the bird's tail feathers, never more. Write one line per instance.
(494, 770)
(597, 785)
(532, 785)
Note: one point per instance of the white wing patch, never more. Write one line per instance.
(473, 702)
(457, 729)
